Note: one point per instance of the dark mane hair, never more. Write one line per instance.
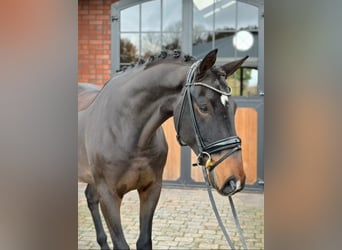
(162, 57)
(154, 60)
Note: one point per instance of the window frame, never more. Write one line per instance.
(186, 34)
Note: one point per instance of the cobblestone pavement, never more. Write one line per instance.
(183, 220)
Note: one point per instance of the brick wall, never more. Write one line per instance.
(94, 41)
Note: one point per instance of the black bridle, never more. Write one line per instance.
(233, 143)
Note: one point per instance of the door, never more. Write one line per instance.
(236, 28)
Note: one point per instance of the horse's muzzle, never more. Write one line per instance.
(228, 177)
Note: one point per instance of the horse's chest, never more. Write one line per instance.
(139, 175)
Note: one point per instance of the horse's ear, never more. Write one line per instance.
(207, 62)
(231, 67)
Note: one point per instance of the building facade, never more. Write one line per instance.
(113, 34)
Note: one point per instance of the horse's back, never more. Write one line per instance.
(86, 95)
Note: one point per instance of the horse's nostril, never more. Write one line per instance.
(230, 186)
(226, 190)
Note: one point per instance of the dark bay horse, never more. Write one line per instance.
(122, 147)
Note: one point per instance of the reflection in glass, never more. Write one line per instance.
(224, 42)
(203, 14)
(129, 19)
(247, 16)
(243, 40)
(150, 16)
(249, 79)
(171, 41)
(253, 51)
(172, 15)
(225, 15)
(202, 37)
(150, 44)
(202, 43)
(129, 47)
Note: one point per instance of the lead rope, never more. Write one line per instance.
(218, 217)
(237, 223)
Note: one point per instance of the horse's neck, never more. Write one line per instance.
(141, 104)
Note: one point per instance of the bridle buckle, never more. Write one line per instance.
(208, 162)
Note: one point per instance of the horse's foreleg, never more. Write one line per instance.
(148, 201)
(93, 205)
(110, 205)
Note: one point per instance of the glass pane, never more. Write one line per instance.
(249, 83)
(171, 41)
(150, 16)
(225, 15)
(203, 15)
(253, 50)
(172, 15)
(224, 43)
(129, 47)
(234, 84)
(129, 19)
(150, 44)
(202, 43)
(247, 16)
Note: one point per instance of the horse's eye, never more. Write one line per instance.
(203, 108)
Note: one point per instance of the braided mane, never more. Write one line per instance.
(154, 60)
(163, 56)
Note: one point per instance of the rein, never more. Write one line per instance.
(218, 217)
(233, 143)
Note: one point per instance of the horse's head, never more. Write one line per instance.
(204, 120)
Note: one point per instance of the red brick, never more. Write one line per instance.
(100, 46)
(83, 12)
(100, 66)
(107, 71)
(95, 2)
(85, 22)
(95, 42)
(87, 57)
(96, 12)
(102, 56)
(103, 17)
(89, 17)
(106, 62)
(97, 52)
(93, 37)
(83, 41)
(99, 22)
(83, 61)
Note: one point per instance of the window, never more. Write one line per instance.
(232, 27)
(244, 82)
(147, 27)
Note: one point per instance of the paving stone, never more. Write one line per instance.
(183, 220)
